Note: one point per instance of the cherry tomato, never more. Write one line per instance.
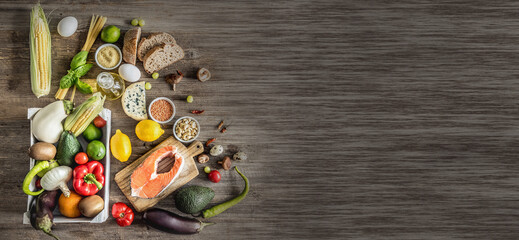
(214, 176)
(99, 122)
(38, 183)
(81, 158)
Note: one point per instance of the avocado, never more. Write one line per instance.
(193, 199)
(68, 147)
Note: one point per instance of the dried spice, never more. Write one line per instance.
(197, 111)
(210, 141)
(220, 125)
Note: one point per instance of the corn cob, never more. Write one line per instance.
(78, 120)
(40, 46)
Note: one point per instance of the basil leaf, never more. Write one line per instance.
(67, 81)
(83, 87)
(82, 70)
(79, 59)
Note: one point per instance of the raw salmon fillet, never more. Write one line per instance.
(146, 183)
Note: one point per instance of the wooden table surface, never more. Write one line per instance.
(362, 119)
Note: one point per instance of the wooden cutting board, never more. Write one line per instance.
(189, 171)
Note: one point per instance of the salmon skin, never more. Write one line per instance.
(146, 183)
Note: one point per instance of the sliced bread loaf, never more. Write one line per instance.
(131, 38)
(151, 41)
(162, 56)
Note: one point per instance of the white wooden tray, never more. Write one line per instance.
(106, 114)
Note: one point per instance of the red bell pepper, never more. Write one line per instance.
(89, 178)
(123, 214)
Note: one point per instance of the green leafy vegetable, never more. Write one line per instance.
(83, 87)
(79, 60)
(82, 70)
(68, 80)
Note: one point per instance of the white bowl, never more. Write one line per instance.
(118, 50)
(170, 102)
(178, 138)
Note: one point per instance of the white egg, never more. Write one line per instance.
(67, 26)
(129, 72)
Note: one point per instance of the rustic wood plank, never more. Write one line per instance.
(362, 119)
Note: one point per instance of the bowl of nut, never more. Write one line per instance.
(186, 129)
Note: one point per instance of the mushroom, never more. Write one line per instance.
(239, 156)
(203, 158)
(216, 150)
(174, 78)
(57, 178)
(203, 74)
(226, 163)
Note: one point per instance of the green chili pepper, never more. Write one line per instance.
(41, 165)
(82, 70)
(79, 60)
(211, 212)
(83, 87)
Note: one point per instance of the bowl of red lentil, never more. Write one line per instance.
(162, 110)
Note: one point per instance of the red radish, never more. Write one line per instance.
(214, 176)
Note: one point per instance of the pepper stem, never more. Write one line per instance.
(91, 178)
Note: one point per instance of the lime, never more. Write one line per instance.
(96, 150)
(92, 133)
(110, 34)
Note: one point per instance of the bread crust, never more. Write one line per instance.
(131, 39)
(147, 61)
(141, 52)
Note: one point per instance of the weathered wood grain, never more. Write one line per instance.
(362, 119)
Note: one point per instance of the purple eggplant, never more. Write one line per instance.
(41, 212)
(172, 223)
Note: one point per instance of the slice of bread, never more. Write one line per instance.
(134, 101)
(151, 41)
(131, 38)
(162, 56)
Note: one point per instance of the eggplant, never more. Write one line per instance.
(172, 223)
(41, 212)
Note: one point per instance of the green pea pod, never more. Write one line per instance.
(82, 70)
(83, 87)
(41, 165)
(68, 80)
(79, 60)
(211, 212)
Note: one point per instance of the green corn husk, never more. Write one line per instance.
(83, 115)
(40, 47)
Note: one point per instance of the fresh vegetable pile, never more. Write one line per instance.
(58, 167)
(70, 177)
